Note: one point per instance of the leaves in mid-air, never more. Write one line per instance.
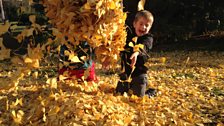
(100, 23)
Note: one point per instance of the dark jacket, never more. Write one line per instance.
(140, 68)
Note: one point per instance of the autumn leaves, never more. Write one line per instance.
(101, 23)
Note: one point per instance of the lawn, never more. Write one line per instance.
(189, 83)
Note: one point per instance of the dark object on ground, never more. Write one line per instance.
(20, 48)
(24, 19)
(12, 43)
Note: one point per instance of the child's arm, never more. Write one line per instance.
(133, 58)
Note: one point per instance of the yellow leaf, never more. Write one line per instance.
(74, 59)
(4, 28)
(134, 39)
(127, 120)
(28, 60)
(221, 65)
(187, 61)
(19, 37)
(52, 82)
(1, 120)
(35, 64)
(67, 53)
(103, 110)
(131, 44)
(112, 5)
(220, 124)
(4, 53)
(141, 5)
(23, 9)
(54, 111)
(163, 59)
(20, 113)
(66, 63)
(44, 118)
(87, 6)
(13, 27)
(30, 2)
(35, 74)
(13, 113)
(62, 77)
(98, 37)
(18, 101)
(29, 32)
(115, 57)
(141, 46)
(125, 94)
(83, 58)
(138, 47)
(32, 19)
(97, 116)
(17, 117)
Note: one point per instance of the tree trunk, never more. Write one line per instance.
(2, 11)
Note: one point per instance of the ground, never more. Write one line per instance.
(189, 83)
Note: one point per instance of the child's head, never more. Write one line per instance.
(143, 22)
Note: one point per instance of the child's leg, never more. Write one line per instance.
(122, 85)
(138, 85)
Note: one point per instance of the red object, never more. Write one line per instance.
(92, 74)
(79, 73)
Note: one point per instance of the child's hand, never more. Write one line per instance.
(133, 58)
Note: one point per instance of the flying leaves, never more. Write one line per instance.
(141, 5)
(100, 23)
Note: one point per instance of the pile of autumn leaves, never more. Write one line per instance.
(99, 22)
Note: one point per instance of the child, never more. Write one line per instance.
(133, 61)
(77, 69)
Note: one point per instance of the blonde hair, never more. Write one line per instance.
(144, 13)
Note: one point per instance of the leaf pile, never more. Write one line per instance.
(190, 92)
(99, 22)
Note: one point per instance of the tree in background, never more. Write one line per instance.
(2, 11)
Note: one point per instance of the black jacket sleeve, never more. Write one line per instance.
(147, 41)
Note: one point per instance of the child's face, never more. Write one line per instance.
(142, 26)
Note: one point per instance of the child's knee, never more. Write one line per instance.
(138, 89)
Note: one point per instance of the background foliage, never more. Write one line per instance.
(175, 20)
(178, 20)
